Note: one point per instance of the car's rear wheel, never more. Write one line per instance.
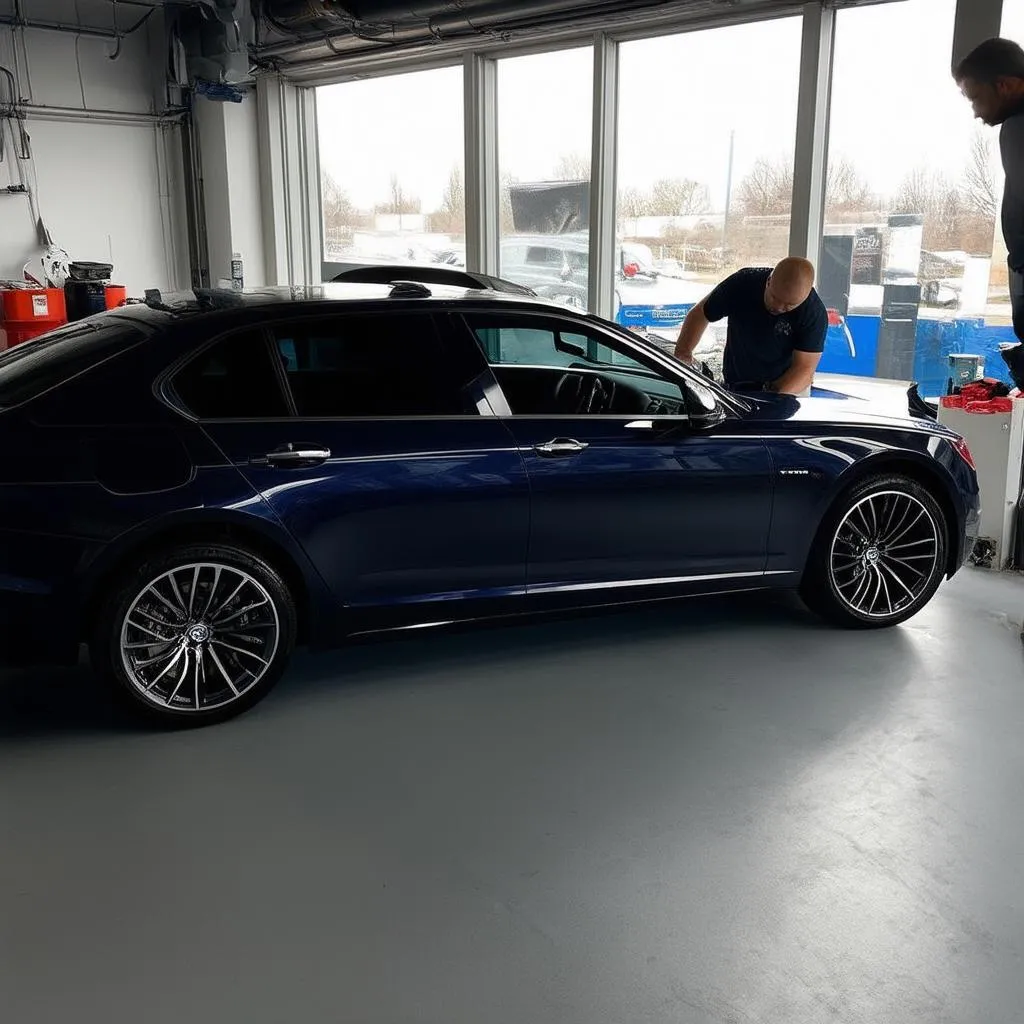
(879, 556)
(196, 635)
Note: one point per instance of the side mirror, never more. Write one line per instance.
(705, 420)
(703, 409)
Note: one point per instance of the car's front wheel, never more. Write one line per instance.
(196, 635)
(879, 556)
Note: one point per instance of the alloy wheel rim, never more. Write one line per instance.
(884, 554)
(199, 637)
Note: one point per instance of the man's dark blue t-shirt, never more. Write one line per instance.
(760, 345)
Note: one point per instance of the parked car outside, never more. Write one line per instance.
(557, 267)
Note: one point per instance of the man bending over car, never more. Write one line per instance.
(777, 327)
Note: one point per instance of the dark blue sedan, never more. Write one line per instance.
(191, 489)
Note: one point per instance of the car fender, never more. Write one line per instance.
(925, 469)
(259, 525)
(813, 472)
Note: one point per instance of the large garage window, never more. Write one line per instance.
(544, 132)
(913, 189)
(705, 167)
(392, 169)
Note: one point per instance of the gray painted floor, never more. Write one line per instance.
(714, 812)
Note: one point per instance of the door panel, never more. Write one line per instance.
(402, 510)
(635, 506)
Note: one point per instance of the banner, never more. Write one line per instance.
(653, 316)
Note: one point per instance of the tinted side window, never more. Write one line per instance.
(513, 344)
(232, 379)
(29, 369)
(522, 346)
(371, 365)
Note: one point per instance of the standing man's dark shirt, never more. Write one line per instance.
(760, 345)
(1011, 148)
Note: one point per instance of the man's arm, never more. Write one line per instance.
(808, 345)
(709, 310)
(694, 326)
(800, 375)
(1011, 144)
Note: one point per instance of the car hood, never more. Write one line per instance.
(886, 407)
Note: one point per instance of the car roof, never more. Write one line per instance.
(186, 305)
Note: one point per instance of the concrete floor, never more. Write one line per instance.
(711, 812)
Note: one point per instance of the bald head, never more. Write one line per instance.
(789, 285)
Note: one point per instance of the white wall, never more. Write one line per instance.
(106, 192)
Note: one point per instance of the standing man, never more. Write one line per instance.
(992, 78)
(777, 327)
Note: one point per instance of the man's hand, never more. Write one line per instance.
(694, 326)
(800, 375)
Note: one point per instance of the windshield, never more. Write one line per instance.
(29, 369)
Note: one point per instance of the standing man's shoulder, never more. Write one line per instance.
(1011, 142)
(815, 310)
(735, 291)
(1011, 147)
(751, 277)
(811, 325)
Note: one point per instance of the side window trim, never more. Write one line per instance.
(557, 326)
(280, 373)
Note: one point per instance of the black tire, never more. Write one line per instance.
(879, 555)
(181, 600)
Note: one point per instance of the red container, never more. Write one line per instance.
(115, 295)
(26, 313)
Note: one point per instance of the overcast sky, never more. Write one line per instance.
(895, 107)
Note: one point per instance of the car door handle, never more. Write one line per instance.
(297, 455)
(560, 447)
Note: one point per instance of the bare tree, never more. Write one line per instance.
(633, 203)
(767, 189)
(397, 195)
(981, 192)
(916, 193)
(339, 213)
(845, 189)
(399, 200)
(572, 167)
(678, 197)
(453, 202)
(939, 201)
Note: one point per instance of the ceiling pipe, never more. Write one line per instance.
(435, 20)
(148, 4)
(77, 30)
(39, 112)
(57, 26)
(423, 10)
